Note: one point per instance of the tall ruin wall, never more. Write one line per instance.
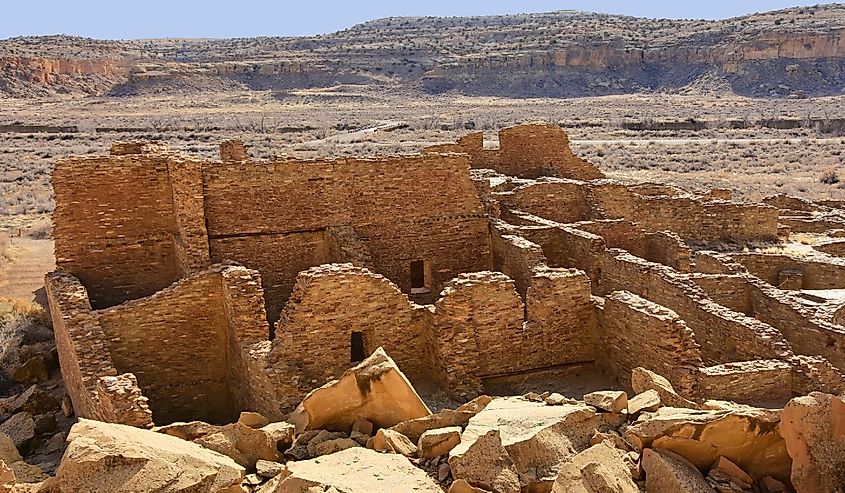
(525, 151)
(794, 272)
(131, 224)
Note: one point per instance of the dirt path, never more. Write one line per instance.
(22, 275)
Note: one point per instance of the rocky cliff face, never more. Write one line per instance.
(559, 54)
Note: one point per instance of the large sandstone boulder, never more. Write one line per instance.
(375, 390)
(746, 436)
(813, 427)
(667, 472)
(245, 444)
(105, 458)
(536, 437)
(486, 465)
(599, 469)
(354, 470)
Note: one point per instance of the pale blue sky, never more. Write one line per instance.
(124, 19)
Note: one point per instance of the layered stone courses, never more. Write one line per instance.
(192, 289)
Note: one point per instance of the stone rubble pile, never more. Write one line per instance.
(370, 432)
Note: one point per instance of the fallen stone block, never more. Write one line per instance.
(535, 436)
(733, 472)
(645, 401)
(375, 390)
(387, 440)
(8, 451)
(242, 443)
(486, 465)
(333, 446)
(355, 470)
(188, 430)
(747, 436)
(281, 433)
(268, 469)
(434, 443)
(33, 400)
(112, 458)
(667, 472)
(601, 468)
(33, 370)
(643, 379)
(612, 401)
(253, 420)
(21, 429)
(27, 473)
(813, 427)
(462, 486)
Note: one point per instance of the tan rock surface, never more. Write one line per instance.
(108, 458)
(667, 472)
(486, 465)
(643, 379)
(392, 441)
(434, 443)
(813, 427)
(7, 477)
(747, 436)
(244, 444)
(645, 401)
(612, 401)
(599, 469)
(375, 390)
(536, 436)
(462, 486)
(356, 470)
(8, 452)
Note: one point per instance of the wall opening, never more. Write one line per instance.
(420, 277)
(358, 353)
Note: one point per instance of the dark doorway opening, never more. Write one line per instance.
(418, 274)
(358, 353)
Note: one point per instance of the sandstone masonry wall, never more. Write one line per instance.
(636, 332)
(758, 381)
(817, 272)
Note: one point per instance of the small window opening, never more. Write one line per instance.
(419, 277)
(357, 353)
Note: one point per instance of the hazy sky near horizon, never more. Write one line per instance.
(246, 18)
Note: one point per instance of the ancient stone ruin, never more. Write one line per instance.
(189, 289)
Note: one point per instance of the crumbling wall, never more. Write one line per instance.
(562, 201)
(561, 320)
(816, 272)
(618, 233)
(332, 302)
(114, 225)
(723, 334)
(517, 258)
(175, 342)
(191, 239)
(525, 151)
(758, 382)
(636, 332)
(730, 290)
(665, 247)
(344, 246)
(86, 365)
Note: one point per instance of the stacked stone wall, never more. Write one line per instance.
(730, 290)
(114, 225)
(517, 258)
(525, 151)
(757, 381)
(175, 342)
(562, 201)
(724, 335)
(817, 271)
(636, 332)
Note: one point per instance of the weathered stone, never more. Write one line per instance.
(387, 440)
(771, 485)
(476, 405)
(32, 370)
(355, 470)
(332, 446)
(556, 399)
(611, 437)
(7, 478)
(280, 432)
(643, 379)
(645, 401)
(612, 401)
(414, 428)
(486, 465)
(375, 390)
(21, 429)
(253, 420)
(319, 438)
(27, 473)
(45, 423)
(268, 469)
(33, 400)
(8, 451)
(111, 458)
(667, 472)
(363, 426)
(733, 471)
(747, 436)
(67, 406)
(188, 431)
(243, 444)
(536, 437)
(434, 443)
(299, 448)
(814, 429)
(599, 469)
(443, 471)
(462, 486)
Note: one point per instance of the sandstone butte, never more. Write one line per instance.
(372, 323)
